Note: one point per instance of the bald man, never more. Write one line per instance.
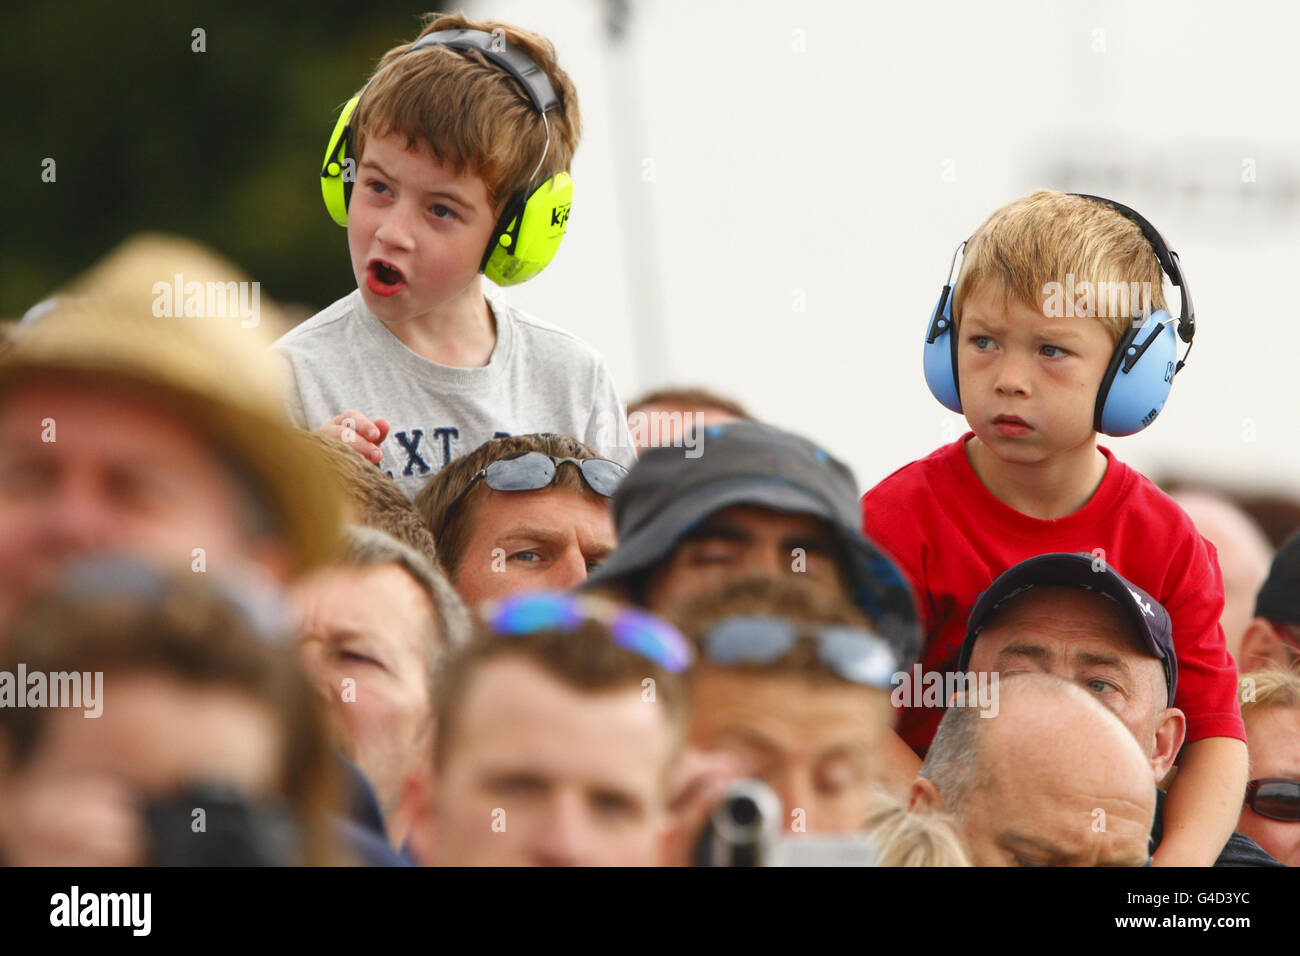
(1244, 554)
(1063, 614)
(1055, 779)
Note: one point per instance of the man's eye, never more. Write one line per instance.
(526, 557)
(518, 786)
(612, 804)
(355, 657)
(1099, 686)
(25, 475)
(713, 554)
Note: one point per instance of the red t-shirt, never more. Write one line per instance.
(952, 537)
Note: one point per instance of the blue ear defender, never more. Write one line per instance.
(940, 355)
(1141, 372)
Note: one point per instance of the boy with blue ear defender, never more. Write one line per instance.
(1047, 338)
(449, 165)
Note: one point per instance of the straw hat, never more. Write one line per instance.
(213, 372)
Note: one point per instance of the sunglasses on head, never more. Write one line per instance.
(1275, 797)
(851, 653)
(632, 629)
(535, 470)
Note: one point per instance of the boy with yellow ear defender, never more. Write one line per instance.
(449, 165)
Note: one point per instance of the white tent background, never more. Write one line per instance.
(768, 197)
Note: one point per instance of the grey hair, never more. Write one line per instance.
(954, 763)
(370, 548)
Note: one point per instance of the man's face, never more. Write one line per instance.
(532, 540)
(364, 640)
(543, 774)
(76, 801)
(120, 473)
(814, 743)
(743, 541)
(1058, 811)
(413, 214)
(1084, 638)
(1273, 737)
(1013, 361)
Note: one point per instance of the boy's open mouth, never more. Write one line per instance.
(384, 278)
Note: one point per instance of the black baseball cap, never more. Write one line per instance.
(1279, 598)
(1150, 620)
(670, 490)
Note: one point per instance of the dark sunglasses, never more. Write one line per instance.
(851, 653)
(1275, 797)
(632, 629)
(535, 470)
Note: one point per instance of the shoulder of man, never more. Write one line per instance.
(1241, 850)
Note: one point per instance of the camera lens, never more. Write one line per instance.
(744, 811)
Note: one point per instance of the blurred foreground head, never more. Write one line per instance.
(1052, 778)
(794, 686)
(159, 435)
(557, 729)
(165, 722)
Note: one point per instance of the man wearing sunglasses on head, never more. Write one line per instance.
(558, 726)
(1271, 813)
(1075, 617)
(791, 687)
(521, 513)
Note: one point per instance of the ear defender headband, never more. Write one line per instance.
(1142, 368)
(527, 235)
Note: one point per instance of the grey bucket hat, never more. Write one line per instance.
(668, 492)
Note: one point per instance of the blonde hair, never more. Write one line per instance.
(902, 838)
(473, 114)
(1048, 236)
(1273, 688)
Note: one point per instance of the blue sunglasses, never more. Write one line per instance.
(632, 629)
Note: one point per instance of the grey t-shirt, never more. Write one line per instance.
(539, 379)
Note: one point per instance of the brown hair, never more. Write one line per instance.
(790, 599)
(1047, 236)
(190, 632)
(375, 498)
(473, 114)
(691, 399)
(451, 527)
(586, 659)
